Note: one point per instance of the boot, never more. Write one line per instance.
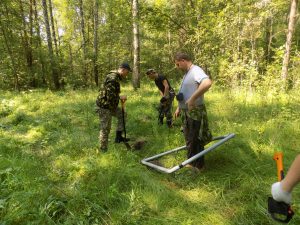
(199, 163)
(119, 138)
(160, 120)
(169, 123)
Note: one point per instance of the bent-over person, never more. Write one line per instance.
(167, 96)
(107, 105)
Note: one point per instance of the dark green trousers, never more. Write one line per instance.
(196, 133)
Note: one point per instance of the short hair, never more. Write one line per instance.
(182, 56)
(150, 71)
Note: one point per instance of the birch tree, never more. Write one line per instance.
(96, 23)
(136, 45)
(55, 77)
(288, 44)
(53, 27)
(39, 43)
(84, 47)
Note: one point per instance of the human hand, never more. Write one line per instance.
(190, 104)
(163, 100)
(279, 194)
(123, 98)
(177, 113)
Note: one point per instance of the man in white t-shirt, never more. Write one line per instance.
(191, 107)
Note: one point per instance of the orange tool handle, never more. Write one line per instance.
(278, 157)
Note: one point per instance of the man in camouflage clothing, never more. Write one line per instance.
(191, 107)
(167, 93)
(107, 105)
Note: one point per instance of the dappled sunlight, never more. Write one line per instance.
(33, 135)
(196, 214)
(60, 167)
(151, 200)
(61, 60)
(56, 133)
(215, 217)
(198, 195)
(107, 161)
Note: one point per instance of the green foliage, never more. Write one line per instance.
(52, 173)
(236, 42)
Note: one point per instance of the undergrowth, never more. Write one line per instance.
(51, 171)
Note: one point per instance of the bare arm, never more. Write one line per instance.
(167, 88)
(177, 112)
(293, 176)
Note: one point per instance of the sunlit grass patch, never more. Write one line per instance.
(52, 170)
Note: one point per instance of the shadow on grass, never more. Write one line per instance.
(74, 184)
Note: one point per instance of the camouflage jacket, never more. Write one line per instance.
(109, 93)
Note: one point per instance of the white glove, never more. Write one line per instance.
(279, 194)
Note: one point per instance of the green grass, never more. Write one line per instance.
(52, 173)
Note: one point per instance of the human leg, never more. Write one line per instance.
(191, 132)
(168, 113)
(105, 126)
(120, 125)
(160, 110)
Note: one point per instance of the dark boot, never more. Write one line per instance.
(119, 137)
(199, 163)
(169, 123)
(160, 120)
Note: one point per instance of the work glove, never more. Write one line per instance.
(164, 100)
(279, 194)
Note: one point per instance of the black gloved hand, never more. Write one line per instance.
(163, 100)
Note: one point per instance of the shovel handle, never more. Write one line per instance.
(278, 157)
(123, 103)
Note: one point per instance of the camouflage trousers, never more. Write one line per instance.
(196, 132)
(165, 110)
(105, 116)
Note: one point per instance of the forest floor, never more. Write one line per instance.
(51, 171)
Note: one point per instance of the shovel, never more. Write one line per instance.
(279, 211)
(124, 127)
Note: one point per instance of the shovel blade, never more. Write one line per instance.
(128, 147)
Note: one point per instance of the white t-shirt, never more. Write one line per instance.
(190, 84)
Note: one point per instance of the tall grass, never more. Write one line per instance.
(52, 173)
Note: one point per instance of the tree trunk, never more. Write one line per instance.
(39, 44)
(268, 41)
(58, 37)
(50, 48)
(111, 27)
(53, 27)
(96, 23)
(136, 45)
(288, 44)
(34, 82)
(71, 60)
(83, 42)
(27, 45)
(10, 53)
